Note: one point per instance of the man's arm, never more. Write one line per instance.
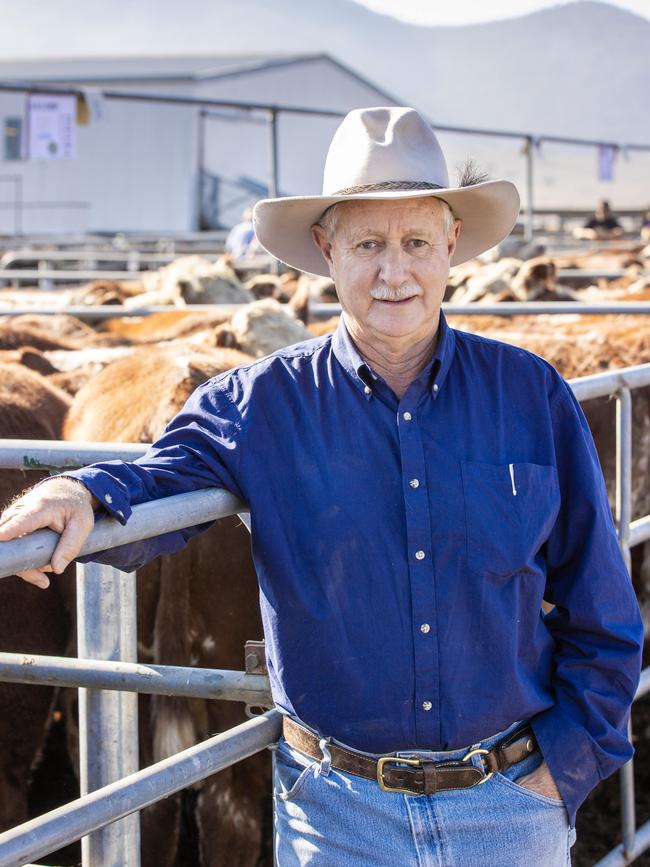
(64, 506)
(199, 449)
(596, 623)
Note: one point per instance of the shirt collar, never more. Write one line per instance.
(434, 373)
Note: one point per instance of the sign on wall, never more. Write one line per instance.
(50, 127)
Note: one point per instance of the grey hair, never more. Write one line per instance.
(329, 219)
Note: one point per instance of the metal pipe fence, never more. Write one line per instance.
(111, 793)
(46, 276)
(323, 311)
(98, 809)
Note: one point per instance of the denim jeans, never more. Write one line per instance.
(327, 818)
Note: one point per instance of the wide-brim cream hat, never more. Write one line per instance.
(385, 153)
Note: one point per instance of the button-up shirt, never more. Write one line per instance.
(403, 547)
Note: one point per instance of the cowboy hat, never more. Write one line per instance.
(385, 153)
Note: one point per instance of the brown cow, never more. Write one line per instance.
(30, 621)
(197, 607)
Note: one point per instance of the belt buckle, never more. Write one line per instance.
(478, 751)
(395, 760)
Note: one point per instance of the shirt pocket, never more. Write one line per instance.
(510, 510)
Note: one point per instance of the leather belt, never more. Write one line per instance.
(416, 775)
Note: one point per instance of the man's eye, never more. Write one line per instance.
(418, 242)
(368, 245)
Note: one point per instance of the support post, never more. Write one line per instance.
(623, 517)
(108, 721)
(273, 167)
(200, 164)
(530, 156)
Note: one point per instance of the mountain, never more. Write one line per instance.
(581, 69)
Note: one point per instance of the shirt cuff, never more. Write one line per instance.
(570, 754)
(111, 493)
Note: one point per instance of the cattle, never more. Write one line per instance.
(511, 280)
(164, 325)
(257, 328)
(261, 328)
(192, 280)
(30, 621)
(197, 607)
(28, 357)
(492, 278)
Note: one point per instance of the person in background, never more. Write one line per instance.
(603, 226)
(241, 238)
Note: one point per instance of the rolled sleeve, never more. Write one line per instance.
(596, 623)
(200, 448)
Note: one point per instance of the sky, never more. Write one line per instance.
(436, 12)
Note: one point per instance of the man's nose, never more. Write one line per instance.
(394, 268)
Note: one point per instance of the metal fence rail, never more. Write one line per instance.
(98, 809)
(115, 798)
(136, 677)
(148, 519)
(323, 311)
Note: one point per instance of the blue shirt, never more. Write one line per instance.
(403, 547)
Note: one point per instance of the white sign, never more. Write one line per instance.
(51, 129)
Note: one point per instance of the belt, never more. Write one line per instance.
(416, 776)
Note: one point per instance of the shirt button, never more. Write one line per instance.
(420, 555)
(368, 390)
(108, 498)
(407, 416)
(414, 483)
(426, 705)
(435, 387)
(425, 628)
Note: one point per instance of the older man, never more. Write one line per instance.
(415, 493)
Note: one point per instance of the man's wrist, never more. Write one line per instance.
(94, 502)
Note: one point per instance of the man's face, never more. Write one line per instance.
(390, 263)
(602, 210)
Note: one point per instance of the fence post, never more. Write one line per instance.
(273, 166)
(530, 157)
(108, 720)
(623, 518)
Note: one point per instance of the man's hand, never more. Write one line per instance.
(540, 781)
(63, 505)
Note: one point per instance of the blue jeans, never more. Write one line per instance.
(327, 818)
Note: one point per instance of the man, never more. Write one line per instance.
(415, 493)
(603, 226)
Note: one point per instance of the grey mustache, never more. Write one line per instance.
(385, 293)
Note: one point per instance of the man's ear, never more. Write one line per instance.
(453, 237)
(320, 238)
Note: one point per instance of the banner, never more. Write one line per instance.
(606, 160)
(50, 127)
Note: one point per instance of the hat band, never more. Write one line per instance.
(388, 185)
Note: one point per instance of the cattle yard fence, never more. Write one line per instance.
(108, 675)
(98, 312)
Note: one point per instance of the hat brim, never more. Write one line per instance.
(488, 210)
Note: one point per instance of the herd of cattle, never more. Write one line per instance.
(60, 378)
